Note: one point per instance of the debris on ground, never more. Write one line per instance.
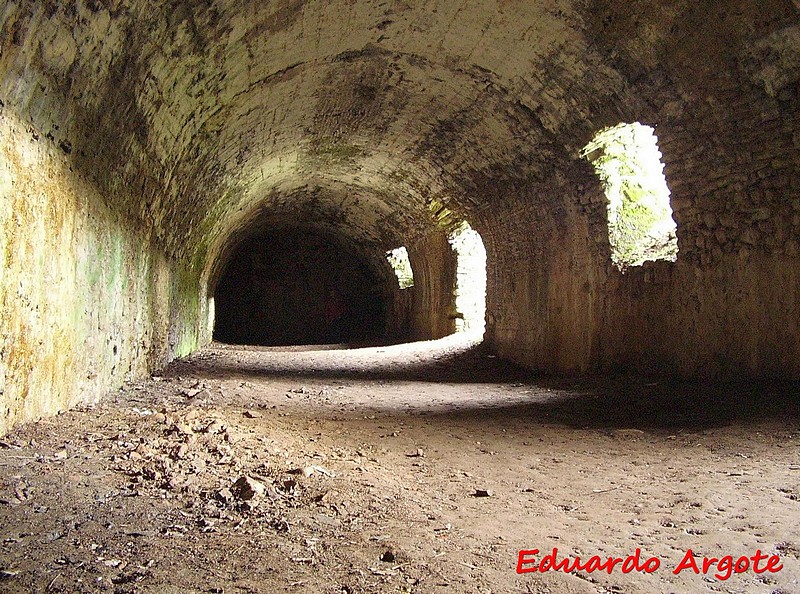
(207, 478)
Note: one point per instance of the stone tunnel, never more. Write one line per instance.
(150, 150)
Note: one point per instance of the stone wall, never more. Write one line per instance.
(545, 279)
(727, 127)
(432, 299)
(86, 302)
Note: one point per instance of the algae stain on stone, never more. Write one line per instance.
(84, 298)
(335, 152)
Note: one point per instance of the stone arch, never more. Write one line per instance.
(145, 140)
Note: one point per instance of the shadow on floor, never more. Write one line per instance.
(619, 401)
(633, 402)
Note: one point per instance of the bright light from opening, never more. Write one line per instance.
(470, 289)
(398, 260)
(211, 315)
(640, 224)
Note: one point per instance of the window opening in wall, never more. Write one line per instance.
(640, 224)
(398, 260)
(470, 289)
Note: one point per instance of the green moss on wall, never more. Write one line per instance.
(338, 152)
(86, 300)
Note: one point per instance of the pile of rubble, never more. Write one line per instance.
(221, 473)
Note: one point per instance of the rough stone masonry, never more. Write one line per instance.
(142, 141)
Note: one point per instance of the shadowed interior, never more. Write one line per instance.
(294, 288)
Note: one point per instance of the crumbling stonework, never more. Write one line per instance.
(142, 140)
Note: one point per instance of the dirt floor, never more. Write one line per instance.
(411, 468)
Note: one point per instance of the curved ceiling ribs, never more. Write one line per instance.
(149, 137)
(377, 119)
(377, 122)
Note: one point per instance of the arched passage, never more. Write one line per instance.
(138, 139)
(297, 286)
(469, 291)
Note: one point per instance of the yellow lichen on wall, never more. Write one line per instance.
(84, 298)
(36, 296)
